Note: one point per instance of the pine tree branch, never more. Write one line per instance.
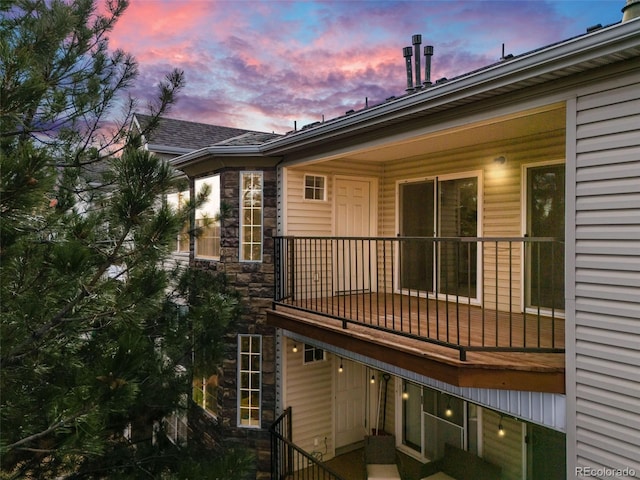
(50, 429)
(23, 349)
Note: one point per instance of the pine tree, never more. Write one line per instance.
(96, 337)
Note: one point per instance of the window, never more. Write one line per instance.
(205, 393)
(313, 354)
(175, 424)
(314, 187)
(412, 415)
(251, 216)
(249, 380)
(176, 201)
(207, 219)
(430, 419)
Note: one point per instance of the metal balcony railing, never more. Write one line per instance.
(466, 293)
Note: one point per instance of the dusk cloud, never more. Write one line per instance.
(264, 64)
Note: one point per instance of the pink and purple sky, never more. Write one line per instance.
(261, 65)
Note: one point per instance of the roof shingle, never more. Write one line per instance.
(193, 136)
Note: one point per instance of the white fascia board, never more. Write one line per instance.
(576, 53)
(216, 150)
(167, 149)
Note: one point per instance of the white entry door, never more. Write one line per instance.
(353, 219)
(350, 404)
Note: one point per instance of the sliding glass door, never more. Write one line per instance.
(545, 218)
(458, 218)
(417, 222)
(434, 215)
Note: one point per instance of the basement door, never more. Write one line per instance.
(353, 219)
(350, 403)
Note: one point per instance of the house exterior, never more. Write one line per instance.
(459, 264)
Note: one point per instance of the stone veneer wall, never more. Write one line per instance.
(255, 282)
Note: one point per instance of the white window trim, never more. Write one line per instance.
(313, 348)
(524, 172)
(219, 193)
(239, 384)
(304, 188)
(176, 200)
(241, 237)
(211, 214)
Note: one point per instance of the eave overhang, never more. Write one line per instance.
(217, 157)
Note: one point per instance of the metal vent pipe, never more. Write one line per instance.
(417, 40)
(407, 52)
(428, 53)
(631, 10)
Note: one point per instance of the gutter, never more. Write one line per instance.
(217, 150)
(168, 149)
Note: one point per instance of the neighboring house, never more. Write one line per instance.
(457, 265)
(172, 138)
(246, 186)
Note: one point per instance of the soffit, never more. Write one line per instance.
(495, 131)
(388, 145)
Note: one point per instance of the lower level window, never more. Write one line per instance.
(430, 419)
(313, 354)
(175, 424)
(249, 380)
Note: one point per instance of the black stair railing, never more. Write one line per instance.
(290, 462)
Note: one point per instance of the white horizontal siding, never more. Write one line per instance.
(176, 259)
(504, 451)
(606, 259)
(308, 391)
(311, 217)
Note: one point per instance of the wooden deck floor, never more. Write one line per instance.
(444, 321)
(404, 329)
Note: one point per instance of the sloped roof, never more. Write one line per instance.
(250, 138)
(182, 134)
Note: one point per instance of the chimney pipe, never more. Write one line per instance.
(631, 10)
(407, 52)
(417, 40)
(428, 53)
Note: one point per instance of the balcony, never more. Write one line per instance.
(470, 311)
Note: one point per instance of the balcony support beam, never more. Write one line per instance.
(500, 370)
